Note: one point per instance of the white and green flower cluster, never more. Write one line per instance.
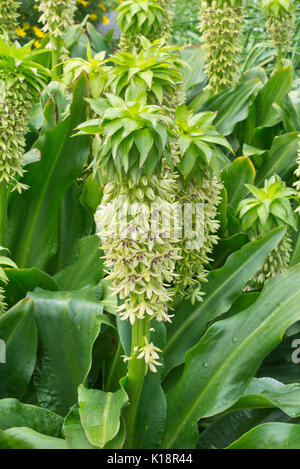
(132, 139)
(280, 24)
(8, 18)
(149, 18)
(57, 16)
(264, 210)
(20, 80)
(194, 154)
(221, 29)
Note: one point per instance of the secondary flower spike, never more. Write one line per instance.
(221, 29)
(8, 18)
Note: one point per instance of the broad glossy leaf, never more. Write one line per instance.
(67, 331)
(18, 331)
(33, 216)
(15, 414)
(23, 280)
(223, 287)
(75, 222)
(86, 268)
(273, 92)
(100, 413)
(270, 436)
(26, 438)
(235, 176)
(281, 158)
(265, 392)
(73, 431)
(233, 104)
(220, 367)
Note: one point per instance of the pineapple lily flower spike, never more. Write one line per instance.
(220, 26)
(264, 210)
(57, 16)
(280, 24)
(8, 18)
(21, 80)
(131, 140)
(196, 157)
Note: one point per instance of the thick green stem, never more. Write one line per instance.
(135, 379)
(3, 211)
(279, 58)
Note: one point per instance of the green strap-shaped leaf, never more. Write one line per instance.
(263, 393)
(220, 367)
(280, 159)
(270, 436)
(14, 413)
(19, 335)
(222, 288)
(26, 438)
(235, 176)
(67, 331)
(100, 413)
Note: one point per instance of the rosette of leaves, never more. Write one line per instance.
(196, 158)
(141, 17)
(8, 18)
(93, 66)
(280, 16)
(131, 140)
(21, 79)
(221, 29)
(4, 261)
(263, 210)
(156, 69)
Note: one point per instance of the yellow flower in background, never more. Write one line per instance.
(26, 26)
(105, 20)
(38, 32)
(103, 7)
(37, 44)
(35, 7)
(83, 2)
(20, 31)
(93, 16)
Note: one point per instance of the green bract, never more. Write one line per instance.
(132, 136)
(141, 17)
(8, 18)
(278, 7)
(94, 67)
(196, 141)
(21, 78)
(156, 69)
(268, 207)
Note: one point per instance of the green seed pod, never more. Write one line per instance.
(8, 18)
(221, 34)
